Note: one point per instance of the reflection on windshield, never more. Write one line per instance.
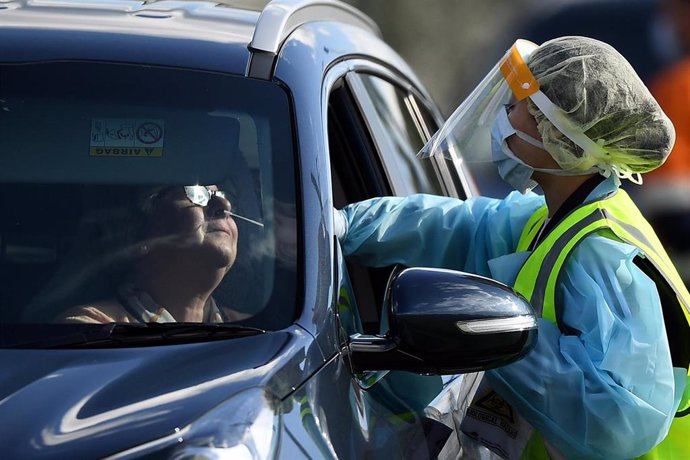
(198, 226)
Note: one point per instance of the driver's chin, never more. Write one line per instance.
(223, 250)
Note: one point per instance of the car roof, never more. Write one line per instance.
(220, 35)
(189, 34)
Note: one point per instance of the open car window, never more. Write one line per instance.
(92, 158)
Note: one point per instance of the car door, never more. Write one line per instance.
(377, 122)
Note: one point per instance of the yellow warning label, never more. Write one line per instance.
(126, 151)
(493, 403)
(127, 137)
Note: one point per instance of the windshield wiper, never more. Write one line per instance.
(115, 335)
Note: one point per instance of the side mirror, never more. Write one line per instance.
(447, 322)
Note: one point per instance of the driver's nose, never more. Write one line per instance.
(217, 207)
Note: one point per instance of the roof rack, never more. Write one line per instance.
(281, 17)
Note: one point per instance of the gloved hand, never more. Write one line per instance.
(339, 224)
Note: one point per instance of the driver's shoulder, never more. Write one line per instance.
(105, 311)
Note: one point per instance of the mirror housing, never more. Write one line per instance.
(447, 322)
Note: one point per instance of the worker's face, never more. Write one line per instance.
(522, 120)
(206, 233)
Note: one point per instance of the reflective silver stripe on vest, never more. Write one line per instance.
(549, 261)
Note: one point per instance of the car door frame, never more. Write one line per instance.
(448, 407)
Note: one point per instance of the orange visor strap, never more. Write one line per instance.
(518, 76)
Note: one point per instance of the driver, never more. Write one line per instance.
(188, 244)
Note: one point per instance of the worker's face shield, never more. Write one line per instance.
(466, 135)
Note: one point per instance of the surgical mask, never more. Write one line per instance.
(512, 170)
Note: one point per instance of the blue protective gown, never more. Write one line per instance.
(607, 393)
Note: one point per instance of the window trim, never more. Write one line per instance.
(454, 181)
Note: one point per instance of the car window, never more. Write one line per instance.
(114, 176)
(404, 137)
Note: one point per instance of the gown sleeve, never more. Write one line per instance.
(433, 231)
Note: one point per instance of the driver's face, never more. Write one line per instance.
(177, 224)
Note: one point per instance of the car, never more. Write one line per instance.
(273, 114)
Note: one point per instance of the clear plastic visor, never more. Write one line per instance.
(466, 135)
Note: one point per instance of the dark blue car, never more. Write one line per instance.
(128, 329)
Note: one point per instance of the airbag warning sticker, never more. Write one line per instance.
(126, 137)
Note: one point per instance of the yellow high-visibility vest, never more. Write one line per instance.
(616, 217)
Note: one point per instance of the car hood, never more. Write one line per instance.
(54, 403)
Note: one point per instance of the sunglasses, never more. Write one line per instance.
(200, 195)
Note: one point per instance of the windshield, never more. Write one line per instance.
(136, 194)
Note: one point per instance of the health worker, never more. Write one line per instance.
(608, 376)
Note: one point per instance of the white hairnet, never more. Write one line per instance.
(601, 95)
